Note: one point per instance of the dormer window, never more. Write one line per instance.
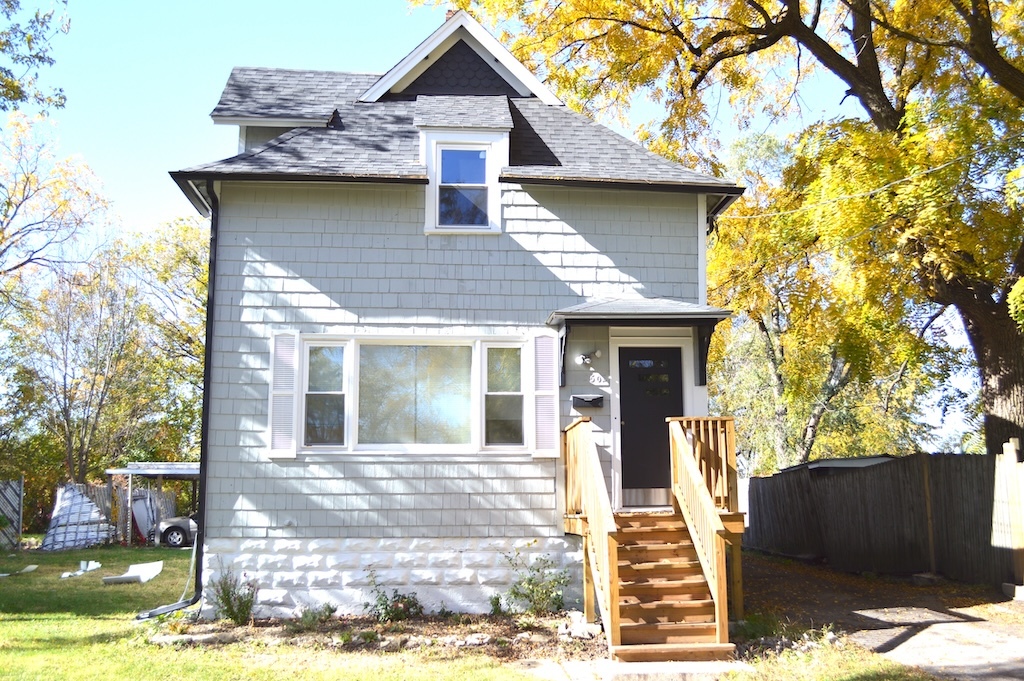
(462, 190)
(463, 166)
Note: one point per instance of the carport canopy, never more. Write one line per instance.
(159, 471)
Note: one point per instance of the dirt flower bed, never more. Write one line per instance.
(554, 637)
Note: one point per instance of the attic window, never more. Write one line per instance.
(463, 196)
(462, 191)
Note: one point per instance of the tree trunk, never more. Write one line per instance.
(999, 349)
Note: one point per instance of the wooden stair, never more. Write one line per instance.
(666, 611)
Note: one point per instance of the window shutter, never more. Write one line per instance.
(545, 386)
(283, 389)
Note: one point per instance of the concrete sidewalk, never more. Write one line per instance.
(947, 644)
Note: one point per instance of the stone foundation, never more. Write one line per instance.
(458, 574)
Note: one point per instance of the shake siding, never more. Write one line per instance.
(354, 259)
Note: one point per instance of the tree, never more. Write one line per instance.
(81, 350)
(963, 54)
(172, 267)
(815, 361)
(44, 203)
(24, 47)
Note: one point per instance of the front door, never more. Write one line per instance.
(650, 390)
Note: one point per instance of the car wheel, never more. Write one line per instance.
(174, 537)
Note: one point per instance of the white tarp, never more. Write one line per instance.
(76, 523)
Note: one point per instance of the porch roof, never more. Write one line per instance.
(639, 311)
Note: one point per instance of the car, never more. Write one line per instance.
(177, 532)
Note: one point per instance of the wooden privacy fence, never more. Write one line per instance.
(955, 515)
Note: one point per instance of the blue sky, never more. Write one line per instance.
(142, 77)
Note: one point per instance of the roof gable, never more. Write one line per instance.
(460, 27)
(459, 71)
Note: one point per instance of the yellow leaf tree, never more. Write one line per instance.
(906, 63)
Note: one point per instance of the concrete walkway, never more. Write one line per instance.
(946, 644)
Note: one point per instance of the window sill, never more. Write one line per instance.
(449, 231)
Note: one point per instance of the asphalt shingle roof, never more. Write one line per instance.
(548, 144)
(289, 93)
(464, 111)
(556, 143)
(371, 140)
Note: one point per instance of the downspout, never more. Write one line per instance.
(204, 437)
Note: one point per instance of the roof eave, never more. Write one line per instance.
(682, 187)
(297, 177)
(270, 122)
(186, 183)
(708, 317)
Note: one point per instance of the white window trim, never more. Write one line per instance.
(494, 142)
(478, 380)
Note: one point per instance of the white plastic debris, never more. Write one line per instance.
(137, 574)
(83, 567)
(22, 571)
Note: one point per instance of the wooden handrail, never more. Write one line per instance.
(691, 494)
(715, 457)
(587, 495)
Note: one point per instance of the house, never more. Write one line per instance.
(419, 280)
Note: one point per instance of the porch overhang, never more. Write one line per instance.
(659, 312)
(647, 312)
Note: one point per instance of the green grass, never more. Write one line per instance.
(79, 630)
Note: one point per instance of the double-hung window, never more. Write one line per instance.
(462, 190)
(503, 397)
(412, 396)
(324, 408)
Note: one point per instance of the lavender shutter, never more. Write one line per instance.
(283, 388)
(545, 396)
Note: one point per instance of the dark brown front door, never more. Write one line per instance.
(651, 389)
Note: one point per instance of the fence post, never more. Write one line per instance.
(927, 484)
(1015, 487)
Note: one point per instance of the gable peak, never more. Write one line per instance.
(460, 27)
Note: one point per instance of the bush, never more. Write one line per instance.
(312, 617)
(393, 608)
(234, 596)
(538, 586)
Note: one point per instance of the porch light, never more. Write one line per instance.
(587, 357)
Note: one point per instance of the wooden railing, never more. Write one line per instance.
(587, 495)
(691, 494)
(715, 454)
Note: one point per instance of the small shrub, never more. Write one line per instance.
(444, 613)
(312, 617)
(497, 609)
(234, 596)
(368, 636)
(538, 586)
(345, 637)
(393, 608)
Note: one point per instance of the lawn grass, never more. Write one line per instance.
(79, 630)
